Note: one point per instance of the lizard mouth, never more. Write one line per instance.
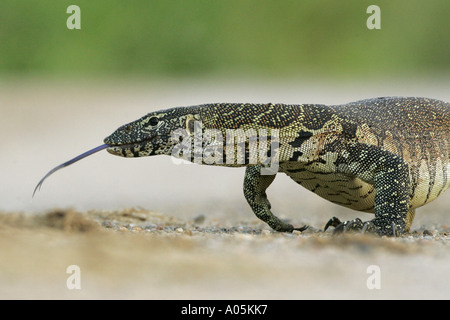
(134, 149)
(126, 145)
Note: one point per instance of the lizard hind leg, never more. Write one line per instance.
(390, 176)
(255, 186)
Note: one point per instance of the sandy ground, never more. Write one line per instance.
(190, 234)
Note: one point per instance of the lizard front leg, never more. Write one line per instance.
(255, 186)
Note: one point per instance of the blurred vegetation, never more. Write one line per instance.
(228, 37)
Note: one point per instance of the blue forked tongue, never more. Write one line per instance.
(68, 163)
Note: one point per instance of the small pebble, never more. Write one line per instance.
(179, 230)
(199, 219)
(244, 236)
(107, 224)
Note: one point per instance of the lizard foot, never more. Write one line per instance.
(285, 227)
(354, 225)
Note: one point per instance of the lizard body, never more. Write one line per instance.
(384, 155)
(387, 155)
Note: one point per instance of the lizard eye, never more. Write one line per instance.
(153, 121)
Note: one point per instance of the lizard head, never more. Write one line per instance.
(149, 135)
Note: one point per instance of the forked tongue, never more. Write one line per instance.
(68, 163)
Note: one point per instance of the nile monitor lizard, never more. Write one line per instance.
(388, 155)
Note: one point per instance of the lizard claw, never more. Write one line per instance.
(287, 227)
(356, 225)
(301, 229)
(349, 226)
(333, 222)
(368, 226)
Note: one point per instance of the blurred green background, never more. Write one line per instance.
(155, 38)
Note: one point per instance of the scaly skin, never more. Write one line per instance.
(388, 156)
